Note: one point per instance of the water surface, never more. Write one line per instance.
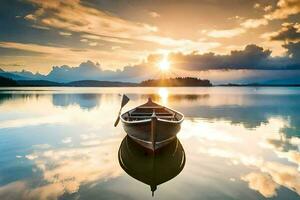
(238, 143)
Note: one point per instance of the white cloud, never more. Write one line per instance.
(88, 136)
(268, 8)
(256, 5)
(40, 27)
(65, 33)
(115, 47)
(84, 40)
(31, 156)
(30, 17)
(93, 44)
(226, 33)
(154, 14)
(107, 39)
(67, 140)
(254, 23)
(41, 146)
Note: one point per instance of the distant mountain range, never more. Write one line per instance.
(8, 82)
(63, 74)
(85, 71)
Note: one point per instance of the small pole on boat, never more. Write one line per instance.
(153, 129)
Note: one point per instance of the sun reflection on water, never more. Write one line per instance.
(163, 95)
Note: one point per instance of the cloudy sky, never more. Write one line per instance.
(221, 40)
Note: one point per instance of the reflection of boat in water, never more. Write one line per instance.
(152, 125)
(151, 169)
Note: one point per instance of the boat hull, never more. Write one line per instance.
(141, 132)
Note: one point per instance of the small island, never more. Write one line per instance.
(176, 82)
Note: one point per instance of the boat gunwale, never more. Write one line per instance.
(149, 120)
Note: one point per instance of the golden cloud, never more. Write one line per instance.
(108, 39)
(75, 55)
(73, 16)
(284, 9)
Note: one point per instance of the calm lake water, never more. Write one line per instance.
(235, 143)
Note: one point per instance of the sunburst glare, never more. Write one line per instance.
(164, 65)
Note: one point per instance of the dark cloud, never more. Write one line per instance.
(252, 57)
(289, 32)
(294, 51)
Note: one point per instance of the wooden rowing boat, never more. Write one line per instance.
(152, 125)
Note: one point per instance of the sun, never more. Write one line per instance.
(164, 65)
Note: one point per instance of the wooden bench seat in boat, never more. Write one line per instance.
(147, 117)
(149, 114)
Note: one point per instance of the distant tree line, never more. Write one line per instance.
(7, 82)
(176, 82)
